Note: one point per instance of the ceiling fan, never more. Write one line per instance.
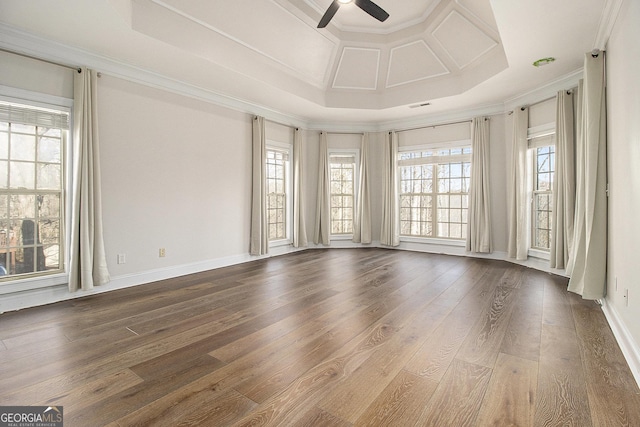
(367, 5)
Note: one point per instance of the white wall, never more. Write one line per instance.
(623, 135)
(176, 174)
(37, 76)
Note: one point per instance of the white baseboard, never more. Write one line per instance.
(627, 344)
(48, 295)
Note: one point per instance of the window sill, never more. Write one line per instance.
(341, 237)
(30, 283)
(434, 241)
(279, 243)
(540, 254)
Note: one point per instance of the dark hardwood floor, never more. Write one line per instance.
(335, 337)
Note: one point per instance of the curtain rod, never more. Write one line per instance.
(342, 133)
(71, 67)
(541, 101)
(438, 125)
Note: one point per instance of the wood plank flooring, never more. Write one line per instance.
(336, 337)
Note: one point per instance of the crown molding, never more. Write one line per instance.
(608, 19)
(19, 41)
(544, 92)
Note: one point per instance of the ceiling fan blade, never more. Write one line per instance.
(372, 9)
(331, 10)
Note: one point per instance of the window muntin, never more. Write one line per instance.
(434, 192)
(31, 190)
(277, 165)
(542, 206)
(342, 174)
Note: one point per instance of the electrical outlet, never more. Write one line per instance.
(162, 253)
(122, 259)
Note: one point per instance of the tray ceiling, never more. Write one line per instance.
(453, 54)
(423, 52)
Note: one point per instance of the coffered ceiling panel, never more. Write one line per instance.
(462, 40)
(357, 69)
(412, 62)
(205, 26)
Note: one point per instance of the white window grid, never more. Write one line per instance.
(542, 202)
(31, 198)
(342, 177)
(434, 192)
(277, 162)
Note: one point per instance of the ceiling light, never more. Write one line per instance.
(345, 1)
(543, 61)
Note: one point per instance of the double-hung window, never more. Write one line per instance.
(542, 153)
(342, 175)
(32, 197)
(434, 191)
(278, 188)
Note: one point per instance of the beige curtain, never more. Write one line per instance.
(479, 221)
(362, 220)
(518, 189)
(564, 183)
(323, 210)
(299, 231)
(390, 230)
(88, 263)
(259, 232)
(588, 259)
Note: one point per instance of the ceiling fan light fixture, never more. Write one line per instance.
(345, 1)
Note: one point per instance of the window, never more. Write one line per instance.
(32, 146)
(342, 173)
(542, 206)
(278, 192)
(434, 192)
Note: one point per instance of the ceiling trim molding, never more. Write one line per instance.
(420, 41)
(377, 68)
(608, 19)
(544, 92)
(23, 42)
(447, 50)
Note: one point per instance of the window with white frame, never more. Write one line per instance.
(32, 206)
(278, 188)
(342, 176)
(542, 153)
(434, 191)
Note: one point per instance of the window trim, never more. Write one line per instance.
(41, 100)
(443, 145)
(344, 152)
(288, 171)
(537, 137)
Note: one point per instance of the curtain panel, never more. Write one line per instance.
(518, 189)
(323, 211)
(88, 263)
(564, 183)
(390, 230)
(479, 220)
(259, 244)
(588, 259)
(362, 220)
(299, 230)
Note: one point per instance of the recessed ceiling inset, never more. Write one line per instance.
(462, 40)
(412, 62)
(357, 69)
